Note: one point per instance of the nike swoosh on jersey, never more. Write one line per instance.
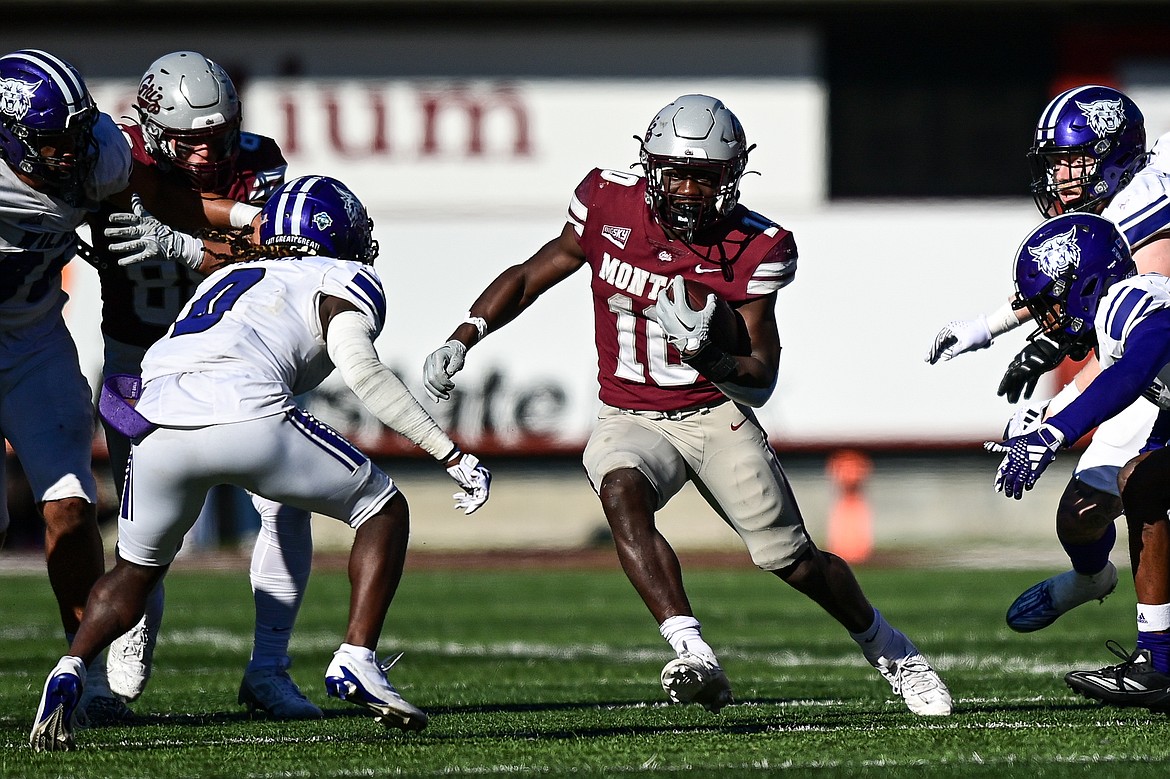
(701, 269)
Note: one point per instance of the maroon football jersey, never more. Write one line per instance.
(631, 259)
(140, 301)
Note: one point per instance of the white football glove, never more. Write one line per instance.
(958, 337)
(475, 480)
(1025, 420)
(441, 365)
(686, 329)
(146, 238)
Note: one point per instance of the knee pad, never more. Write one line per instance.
(1087, 506)
(1146, 491)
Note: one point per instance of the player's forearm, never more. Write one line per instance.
(502, 301)
(382, 392)
(224, 212)
(744, 379)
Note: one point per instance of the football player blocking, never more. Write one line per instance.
(222, 383)
(1088, 155)
(1077, 278)
(188, 133)
(61, 157)
(677, 406)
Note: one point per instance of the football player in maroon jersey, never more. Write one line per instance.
(676, 405)
(189, 136)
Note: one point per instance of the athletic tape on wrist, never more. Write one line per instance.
(478, 322)
(1001, 320)
(242, 214)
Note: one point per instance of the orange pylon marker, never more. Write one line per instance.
(850, 518)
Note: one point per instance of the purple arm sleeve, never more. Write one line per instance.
(1147, 351)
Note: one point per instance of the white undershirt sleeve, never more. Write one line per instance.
(351, 347)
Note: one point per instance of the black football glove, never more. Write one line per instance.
(1034, 360)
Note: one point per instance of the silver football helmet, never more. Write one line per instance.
(190, 117)
(700, 135)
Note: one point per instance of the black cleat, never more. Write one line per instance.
(1132, 683)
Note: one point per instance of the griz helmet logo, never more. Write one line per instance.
(1057, 254)
(16, 97)
(1105, 116)
(150, 95)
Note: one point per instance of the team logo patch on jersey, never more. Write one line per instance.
(665, 256)
(1057, 254)
(1105, 116)
(16, 96)
(616, 235)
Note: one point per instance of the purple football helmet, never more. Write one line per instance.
(1063, 269)
(1090, 141)
(319, 215)
(46, 121)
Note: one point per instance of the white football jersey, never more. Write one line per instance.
(37, 229)
(1127, 304)
(250, 339)
(1142, 208)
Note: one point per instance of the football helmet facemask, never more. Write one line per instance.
(1090, 141)
(47, 118)
(190, 116)
(695, 138)
(319, 215)
(1063, 269)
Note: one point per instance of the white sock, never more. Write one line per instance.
(682, 633)
(358, 652)
(1075, 588)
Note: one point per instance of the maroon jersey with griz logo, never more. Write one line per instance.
(631, 259)
(140, 301)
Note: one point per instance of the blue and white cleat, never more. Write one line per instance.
(1042, 604)
(53, 727)
(364, 683)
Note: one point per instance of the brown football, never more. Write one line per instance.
(727, 330)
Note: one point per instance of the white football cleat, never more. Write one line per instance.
(1041, 604)
(364, 683)
(131, 655)
(52, 729)
(919, 685)
(270, 689)
(694, 679)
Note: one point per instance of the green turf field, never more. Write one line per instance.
(552, 673)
